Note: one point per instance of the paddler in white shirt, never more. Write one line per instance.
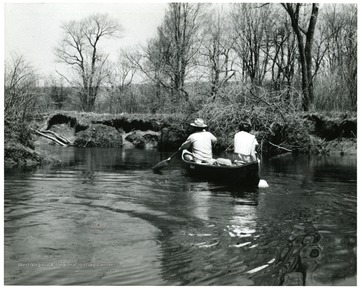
(201, 142)
(245, 144)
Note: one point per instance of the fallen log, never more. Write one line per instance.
(59, 137)
(50, 137)
(279, 147)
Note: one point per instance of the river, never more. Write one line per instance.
(104, 218)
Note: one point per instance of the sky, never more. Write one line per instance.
(34, 29)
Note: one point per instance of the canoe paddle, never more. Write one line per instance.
(164, 163)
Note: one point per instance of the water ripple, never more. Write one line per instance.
(105, 207)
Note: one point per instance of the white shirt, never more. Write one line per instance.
(201, 144)
(244, 143)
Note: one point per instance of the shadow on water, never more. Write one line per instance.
(107, 206)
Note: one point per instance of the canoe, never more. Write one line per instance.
(247, 174)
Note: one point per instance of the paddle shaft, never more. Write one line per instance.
(164, 163)
(173, 155)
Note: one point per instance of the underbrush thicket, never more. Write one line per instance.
(274, 118)
(16, 131)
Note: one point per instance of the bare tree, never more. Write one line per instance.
(169, 57)
(79, 48)
(250, 23)
(148, 61)
(336, 53)
(20, 84)
(57, 93)
(216, 48)
(281, 49)
(304, 46)
(120, 80)
(177, 41)
(179, 33)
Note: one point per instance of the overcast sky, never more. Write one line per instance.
(34, 29)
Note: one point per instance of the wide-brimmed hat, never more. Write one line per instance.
(198, 123)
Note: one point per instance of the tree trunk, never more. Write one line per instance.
(305, 49)
(304, 70)
(308, 49)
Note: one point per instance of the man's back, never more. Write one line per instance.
(202, 144)
(244, 143)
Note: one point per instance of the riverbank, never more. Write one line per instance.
(20, 149)
(307, 133)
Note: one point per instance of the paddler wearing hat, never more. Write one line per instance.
(200, 142)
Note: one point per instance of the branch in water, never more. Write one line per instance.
(288, 150)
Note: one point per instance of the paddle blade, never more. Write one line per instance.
(161, 165)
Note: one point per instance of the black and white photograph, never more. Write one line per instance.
(179, 143)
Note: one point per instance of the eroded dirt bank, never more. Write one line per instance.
(320, 134)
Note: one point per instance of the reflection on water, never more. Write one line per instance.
(104, 218)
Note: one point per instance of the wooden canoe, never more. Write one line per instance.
(247, 174)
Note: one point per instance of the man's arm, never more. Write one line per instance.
(187, 144)
(213, 139)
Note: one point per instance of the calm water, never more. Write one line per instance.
(104, 218)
